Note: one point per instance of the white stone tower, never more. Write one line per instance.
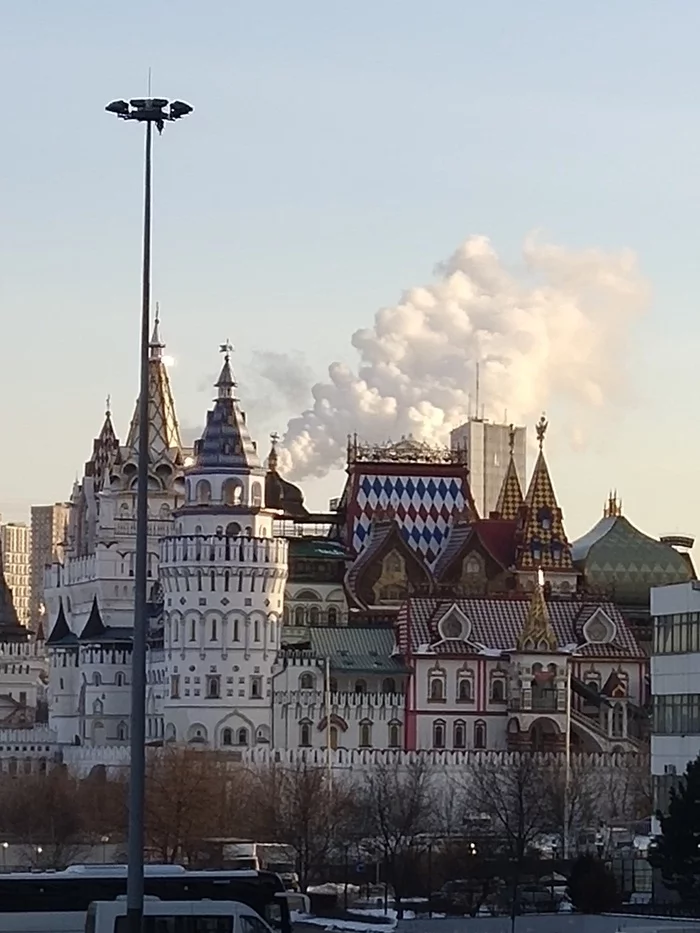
(223, 575)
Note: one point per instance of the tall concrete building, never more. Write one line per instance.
(48, 535)
(489, 449)
(15, 554)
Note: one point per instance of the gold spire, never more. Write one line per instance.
(163, 429)
(537, 633)
(541, 429)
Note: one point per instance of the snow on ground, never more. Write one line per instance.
(328, 923)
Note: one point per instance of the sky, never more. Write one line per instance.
(336, 154)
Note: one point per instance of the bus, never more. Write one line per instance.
(58, 901)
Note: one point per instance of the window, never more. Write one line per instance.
(305, 734)
(479, 734)
(119, 679)
(465, 693)
(436, 689)
(314, 615)
(389, 685)
(193, 630)
(365, 735)
(232, 492)
(96, 679)
(394, 735)
(438, 734)
(122, 732)
(544, 517)
(299, 615)
(306, 682)
(472, 566)
(97, 708)
(618, 721)
(498, 690)
(459, 734)
(227, 737)
(175, 687)
(334, 738)
(256, 495)
(233, 529)
(213, 687)
(212, 581)
(256, 630)
(203, 492)
(256, 688)
(360, 686)
(214, 630)
(234, 635)
(333, 685)
(248, 923)
(242, 736)
(332, 615)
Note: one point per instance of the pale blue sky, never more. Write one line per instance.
(336, 152)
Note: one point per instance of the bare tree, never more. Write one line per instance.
(183, 793)
(398, 817)
(575, 799)
(299, 806)
(515, 798)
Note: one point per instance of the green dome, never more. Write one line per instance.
(616, 558)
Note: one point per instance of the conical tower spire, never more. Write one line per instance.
(272, 456)
(226, 442)
(163, 429)
(543, 541)
(537, 633)
(510, 498)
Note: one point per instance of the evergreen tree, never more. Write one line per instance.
(677, 853)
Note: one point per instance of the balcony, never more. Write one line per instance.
(212, 550)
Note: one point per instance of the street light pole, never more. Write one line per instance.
(148, 111)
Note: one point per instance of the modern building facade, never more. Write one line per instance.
(489, 448)
(15, 553)
(48, 536)
(675, 684)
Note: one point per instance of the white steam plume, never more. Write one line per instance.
(557, 331)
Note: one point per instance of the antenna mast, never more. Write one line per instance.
(477, 391)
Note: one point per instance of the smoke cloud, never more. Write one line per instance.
(556, 330)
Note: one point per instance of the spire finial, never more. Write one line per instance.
(272, 457)
(226, 382)
(108, 406)
(511, 439)
(541, 429)
(156, 345)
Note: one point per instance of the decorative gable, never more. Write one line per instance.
(599, 629)
(454, 625)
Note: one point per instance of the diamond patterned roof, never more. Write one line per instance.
(497, 623)
(510, 498)
(617, 558)
(163, 429)
(543, 541)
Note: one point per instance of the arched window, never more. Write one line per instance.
(212, 580)
(360, 686)
(498, 690)
(256, 629)
(232, 492)
(365, 735)
(97, 679)
(389, 685)
(299, 615)
(233, 529)
(464, 689)
(438, 734)
(119, 679)
(332, 615)
(256, 495)
(459, 734)
(122, 732)
(193, 630)
(479, 734)
(306, 681)
(204, 492)
(305, 734)
(618, 721)
(214, 630)
(394, 735)
(227, 737)
(544, 517)
(242, 736)
(314, 615)
(334, 738)
(97, 708)
(436, 690)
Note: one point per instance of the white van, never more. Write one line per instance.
(176, 917)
